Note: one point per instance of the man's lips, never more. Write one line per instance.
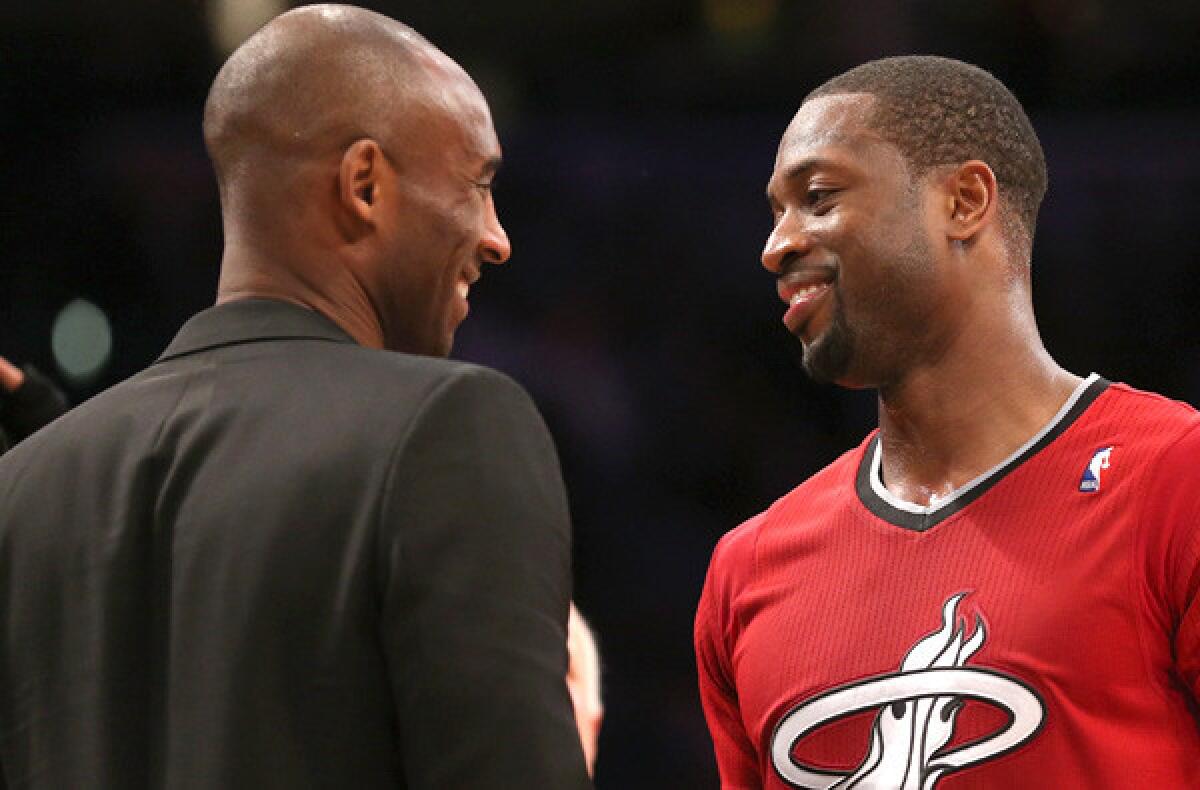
(462, 289)
(463, 286)
(802, 292)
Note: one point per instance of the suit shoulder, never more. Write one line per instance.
(455, 384)
(434, 372)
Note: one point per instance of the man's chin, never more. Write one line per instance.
(826, 359)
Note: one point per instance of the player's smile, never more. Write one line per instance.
(849, 246)
(803, 291)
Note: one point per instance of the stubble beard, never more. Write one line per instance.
(827, 358)
(884, 316)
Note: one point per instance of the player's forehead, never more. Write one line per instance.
(830, 134)
(831, 125)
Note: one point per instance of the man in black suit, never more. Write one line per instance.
(284, 555)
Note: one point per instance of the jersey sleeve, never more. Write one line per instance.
(1171, 533)
(737, 760)
(475, 558)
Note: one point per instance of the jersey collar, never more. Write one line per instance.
(896, 511)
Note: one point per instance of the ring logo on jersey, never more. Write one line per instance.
(1091, 475)
(917, 710)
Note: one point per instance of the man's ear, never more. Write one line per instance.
(361, 174)
(972, 198)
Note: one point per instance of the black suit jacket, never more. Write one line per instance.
(277, 559)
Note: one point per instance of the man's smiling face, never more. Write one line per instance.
(850, 244)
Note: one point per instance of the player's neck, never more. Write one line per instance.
(946, 424)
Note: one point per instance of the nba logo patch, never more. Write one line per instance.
(1091, 474)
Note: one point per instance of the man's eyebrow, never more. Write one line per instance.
(799, 170)
(805, 166)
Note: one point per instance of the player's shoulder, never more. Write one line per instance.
(1152, 404)
(831, 487)
(1147, 418)
(819, 493)
(1158, 435)
(735, 549)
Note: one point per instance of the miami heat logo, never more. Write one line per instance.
(917, 709)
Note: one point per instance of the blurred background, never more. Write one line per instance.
(639, 135)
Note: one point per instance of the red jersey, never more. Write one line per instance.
(1039, 628)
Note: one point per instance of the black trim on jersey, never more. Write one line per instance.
(920, 522)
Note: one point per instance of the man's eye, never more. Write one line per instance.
(816, 196)
(820, 199)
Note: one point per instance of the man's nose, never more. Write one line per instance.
(787, 238)
(494, 246)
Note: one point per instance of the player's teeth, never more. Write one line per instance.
(804, 293)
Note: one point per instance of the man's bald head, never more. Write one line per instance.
(315, 79)
(355, 162)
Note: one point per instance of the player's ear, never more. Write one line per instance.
(361, 174)
(971, 199)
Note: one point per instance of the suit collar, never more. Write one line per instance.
(248, 321)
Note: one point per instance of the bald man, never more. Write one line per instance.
(302, 549)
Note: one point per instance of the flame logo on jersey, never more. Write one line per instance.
(917, 710)
(1091, 476)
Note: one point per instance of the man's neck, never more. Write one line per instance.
(338, 297)
(945, 425)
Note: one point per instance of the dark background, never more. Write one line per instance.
(638, 139)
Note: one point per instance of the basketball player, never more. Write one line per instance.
(998, 587)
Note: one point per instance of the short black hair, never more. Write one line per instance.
(939, 111)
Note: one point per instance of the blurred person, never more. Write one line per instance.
(998, 587)
(583, 682)
(301, 550)
(28, 401)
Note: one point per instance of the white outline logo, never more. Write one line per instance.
(1091, 475)
(917, 708)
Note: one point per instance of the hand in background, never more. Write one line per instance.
(28, 400)
(583, 681)
(11, 376)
